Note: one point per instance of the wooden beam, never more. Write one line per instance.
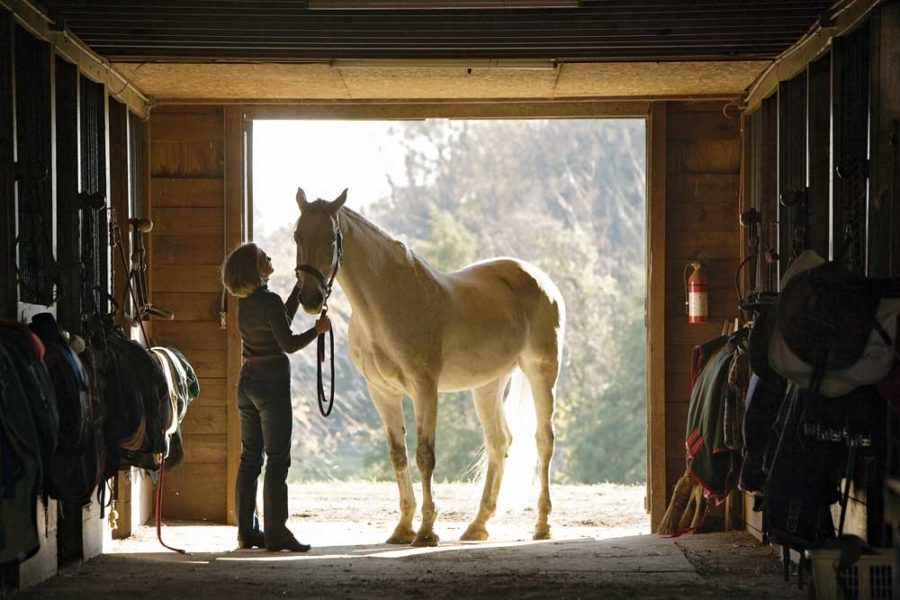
(118, 198)
(656, 312)
(235, 233)
(812, 46)
(70, 47)
(508, 109)
(140, 200)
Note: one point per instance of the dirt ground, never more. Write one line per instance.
(601, 549)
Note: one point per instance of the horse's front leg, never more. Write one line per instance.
(390, 407)
(425, 403)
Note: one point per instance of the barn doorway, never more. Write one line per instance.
(568, 195)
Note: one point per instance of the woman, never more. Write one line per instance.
(264, 395)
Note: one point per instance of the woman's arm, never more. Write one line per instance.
(280, 323)
(293, 303)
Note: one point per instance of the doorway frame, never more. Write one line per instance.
(238, 227)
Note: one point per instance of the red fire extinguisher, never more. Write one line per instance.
(697, 300)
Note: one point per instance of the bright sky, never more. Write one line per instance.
(322, 157)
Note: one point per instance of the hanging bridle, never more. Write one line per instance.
(326, 401)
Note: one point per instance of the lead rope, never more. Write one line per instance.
(326, 401)
(116, 237)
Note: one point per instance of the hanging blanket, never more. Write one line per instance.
(709, 459)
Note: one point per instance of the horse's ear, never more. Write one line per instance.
(338, 202)
(301, 199)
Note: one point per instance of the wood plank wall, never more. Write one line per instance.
(703, 160)
(187, 208)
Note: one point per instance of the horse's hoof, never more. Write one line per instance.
(426, 539)
(542, 532)
(474, 533)
(401, 535)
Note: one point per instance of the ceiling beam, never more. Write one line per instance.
(812, 46)
(70, 47)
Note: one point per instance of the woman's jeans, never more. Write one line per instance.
(266, 420)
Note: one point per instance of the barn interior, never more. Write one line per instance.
(771, 131)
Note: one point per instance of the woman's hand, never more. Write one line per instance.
(323, 324)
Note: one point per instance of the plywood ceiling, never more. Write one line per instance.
(175, 82)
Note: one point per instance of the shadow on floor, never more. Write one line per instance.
(721, 565)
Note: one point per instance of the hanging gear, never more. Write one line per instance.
(140, 308)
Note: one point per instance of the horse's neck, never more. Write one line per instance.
(371, 258)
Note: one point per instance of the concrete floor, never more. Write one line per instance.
(731, 565)
(601, 549)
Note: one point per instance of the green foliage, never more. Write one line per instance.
(566, 195)
(604, 433)
(450, 246)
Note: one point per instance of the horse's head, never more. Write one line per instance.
(318, 239)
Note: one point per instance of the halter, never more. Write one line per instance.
(326, 401)
(338, 259)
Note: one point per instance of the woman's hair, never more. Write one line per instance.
(240, 271)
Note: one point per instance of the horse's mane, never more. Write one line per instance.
(362, 221)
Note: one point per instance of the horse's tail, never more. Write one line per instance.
(519, 476)
(518, 488)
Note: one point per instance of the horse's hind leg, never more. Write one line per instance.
(542, 374)
(390, 407)
(489, 406)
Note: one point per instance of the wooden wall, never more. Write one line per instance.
(187, 246)
(703, 157)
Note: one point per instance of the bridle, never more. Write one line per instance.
(326, 401)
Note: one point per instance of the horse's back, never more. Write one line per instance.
(511, 289)
(509, 276)
(497, 311)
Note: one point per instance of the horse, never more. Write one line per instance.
(419, 331)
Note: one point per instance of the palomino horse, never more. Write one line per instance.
(419, 331)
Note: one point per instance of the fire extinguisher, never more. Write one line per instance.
(696, 289)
